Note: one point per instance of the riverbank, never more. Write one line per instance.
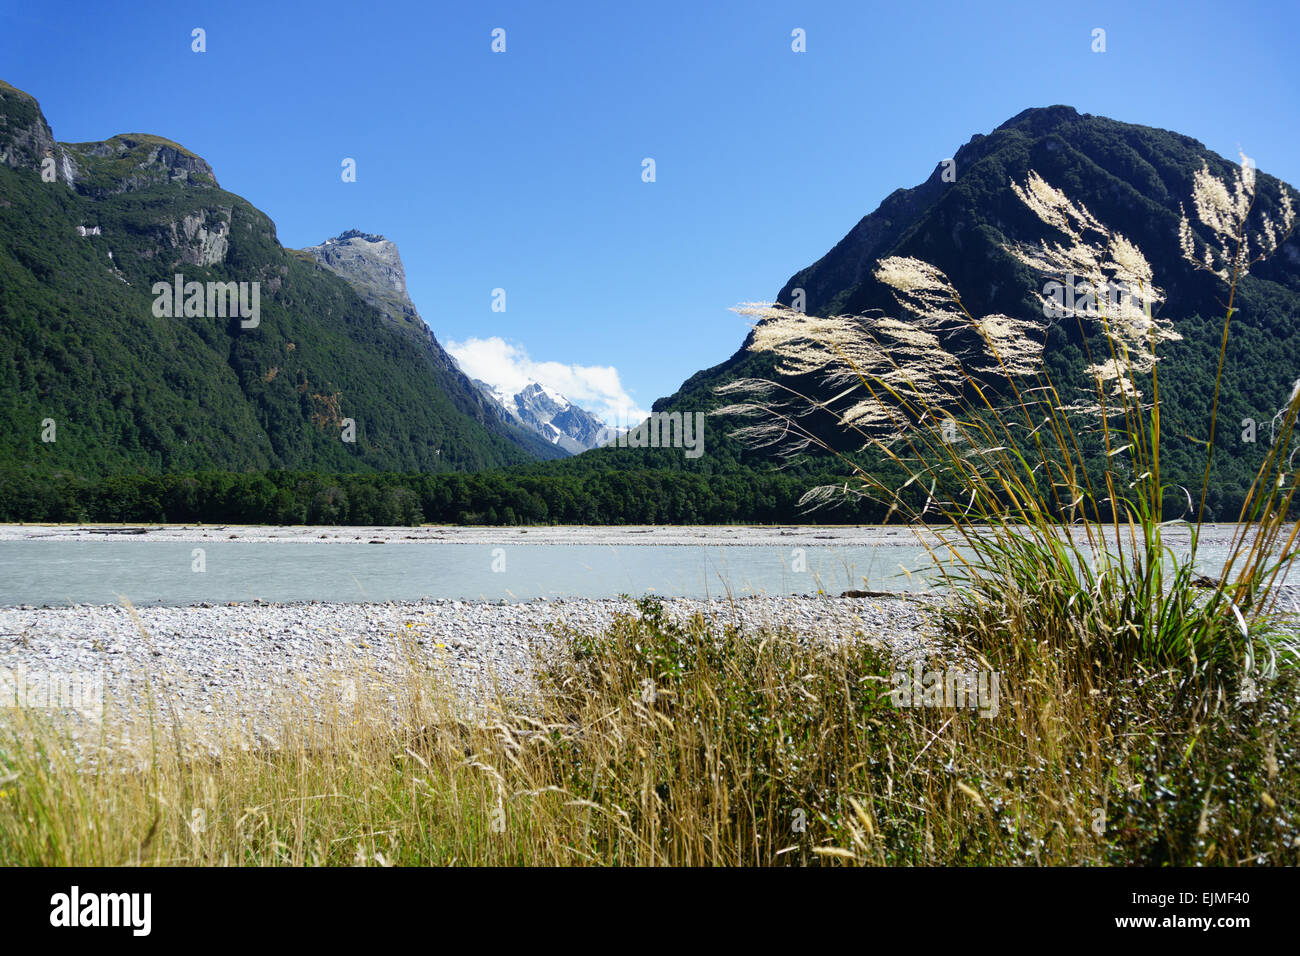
(666, 739)
(683, 535)
(780, 536)
(245, 666)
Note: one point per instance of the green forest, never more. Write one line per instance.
(488, 498)
(526, 495)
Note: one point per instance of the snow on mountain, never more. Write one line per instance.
(552, 416)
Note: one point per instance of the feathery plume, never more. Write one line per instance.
(1118, 279)
(1224, 208)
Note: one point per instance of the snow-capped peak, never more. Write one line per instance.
(550, 414)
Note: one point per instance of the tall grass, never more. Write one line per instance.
(1049, 509)
(670, 741)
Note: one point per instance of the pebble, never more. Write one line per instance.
(249, 662)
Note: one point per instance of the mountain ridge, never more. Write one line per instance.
(1137, 179)
(318, 381)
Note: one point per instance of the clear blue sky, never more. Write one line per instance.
(522, 170)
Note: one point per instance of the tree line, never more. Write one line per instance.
(486, 498)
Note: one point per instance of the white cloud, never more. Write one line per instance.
(508, 368)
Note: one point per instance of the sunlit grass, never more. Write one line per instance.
(668, 743)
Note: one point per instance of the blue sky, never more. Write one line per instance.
(523, 170)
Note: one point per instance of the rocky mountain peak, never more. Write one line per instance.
(122, 163)
(132, 161)
(1042, 119)
(547, 413)
(368, 259)
(347, 234)
(26, 139)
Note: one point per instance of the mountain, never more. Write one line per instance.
(551, 416)
(374, 268)
(263, 358)
(1132, 178)
(372, 265)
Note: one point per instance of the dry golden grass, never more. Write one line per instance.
(659, 743)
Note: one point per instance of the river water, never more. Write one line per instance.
(71, 566)
(170, 572)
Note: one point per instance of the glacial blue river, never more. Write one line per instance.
(109, 570)
(164, 572)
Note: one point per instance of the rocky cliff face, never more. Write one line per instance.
(130, 162)
(196, 235)
(26, 139)
(123, 163)
(373, 266)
